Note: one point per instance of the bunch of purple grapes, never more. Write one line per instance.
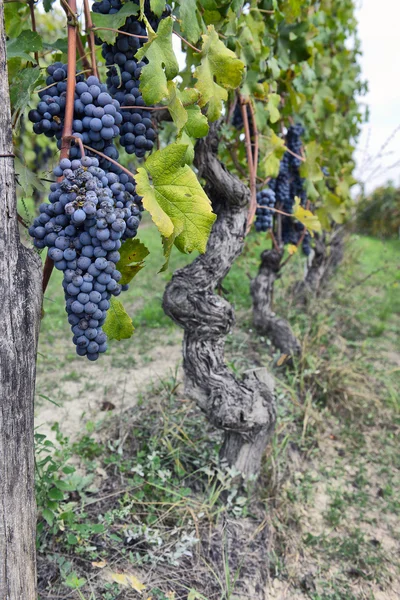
(137, 131)
(264, 216)
(88, 217)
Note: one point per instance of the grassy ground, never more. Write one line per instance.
(131, 492)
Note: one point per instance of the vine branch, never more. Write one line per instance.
(89, 32)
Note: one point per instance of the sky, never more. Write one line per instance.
(380, 40)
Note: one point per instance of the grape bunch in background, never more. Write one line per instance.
(83, 226)
(264, 216)
(288, 185)
(137, 131)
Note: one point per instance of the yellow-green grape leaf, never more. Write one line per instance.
(271, 151)
(132, 255)
(157, 7)
(115, 21)
(292, 249)
(310, 221)
(220, 70)
(162, 66)
(272, 107)
(189, 20)
(168, 244)
(197, 124)
(310, 168)
(176, 109)
(175, 198)
(118, 324)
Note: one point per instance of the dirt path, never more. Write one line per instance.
(87, 390)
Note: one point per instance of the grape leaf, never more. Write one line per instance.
(22, 86)
(310, 169)
(272, 150)
(219, 70)
(272, 107)
(176, 109)
(175, 198)
(157, 6)
(27, 179)
(118, 324)
(189, 20)
(115, 21)
(185, 114)
(163, 65)
(27, 41)
(310, 221)
(132, 255)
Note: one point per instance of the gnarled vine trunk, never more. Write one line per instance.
(244, 408)
(266, 321)
(323, 262)
(21, 296)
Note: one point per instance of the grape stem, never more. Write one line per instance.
(89, 32)
(274, 242)
(252, 173)
(33, 20)
(70, 10)
(253, 204)
(82, 54)
(127, 171)
(21, 220)
(142, 37)
(187, 43)
(77, 140)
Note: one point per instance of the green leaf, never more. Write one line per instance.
(272, 150)
(157, 6)
(27, 41)
(310, 169)
(175, 198)
(22, 86)
(189, 20)
(132, 255)
(163, 65)
(220, 70)
(48, 516)
(186, 117)
(176, 109)
(73, 581)
(55, 494)
(118, 324)
(272, 107)
(60, 44)
(115, 21)
(197, 124)
(27, 179)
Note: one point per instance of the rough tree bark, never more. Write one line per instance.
(326, 258)
(245, 408)
(21, 295)
(266, 322)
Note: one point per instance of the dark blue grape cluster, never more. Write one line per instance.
(48, 116)
(264, 216)
(137, 131)
(90, 213)
(97, 115)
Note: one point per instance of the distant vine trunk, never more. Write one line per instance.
(243, 408)
(324, 261)
(21, 296)
(266, 321)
